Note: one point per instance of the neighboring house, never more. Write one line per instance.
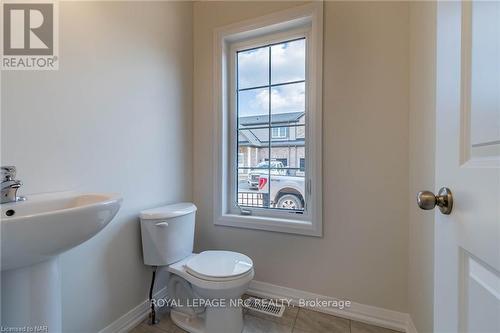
(287, 141)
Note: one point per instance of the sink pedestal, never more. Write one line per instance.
(34, 233)
(31, 296)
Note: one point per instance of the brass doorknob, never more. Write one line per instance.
(444, 200)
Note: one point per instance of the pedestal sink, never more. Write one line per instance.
(34, 232)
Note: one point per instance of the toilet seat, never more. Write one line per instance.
(219, 265)
(179, 268)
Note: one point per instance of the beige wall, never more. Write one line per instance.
(363, 255)
(116, 117)
(125, 126)
(422, 149)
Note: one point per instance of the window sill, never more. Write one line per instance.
(289, 226)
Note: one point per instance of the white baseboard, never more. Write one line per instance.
(132, 318)
(394, 320)
(411, 326)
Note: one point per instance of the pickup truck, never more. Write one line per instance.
(287, 192)
(277, 168)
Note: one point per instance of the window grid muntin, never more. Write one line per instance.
(269, 126)
(271, 85)
(277, 168)
(252, 127)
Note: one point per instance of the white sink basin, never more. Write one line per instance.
(46, 225)
(34, 232)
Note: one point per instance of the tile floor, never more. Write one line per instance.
(294, 320)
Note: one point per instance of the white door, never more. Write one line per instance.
(467, 242)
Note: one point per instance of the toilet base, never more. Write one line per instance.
(214, 320)
(192, 324)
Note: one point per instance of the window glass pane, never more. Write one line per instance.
(287, 102)
(248, 193)
(287, 153)
(288, 61)
(287, 192)
(251, 154)
(253, 107)
(271, 156)
(253, 68)
(287, 185)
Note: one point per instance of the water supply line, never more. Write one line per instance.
(152, 316)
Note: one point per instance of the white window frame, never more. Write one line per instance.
(307, 21)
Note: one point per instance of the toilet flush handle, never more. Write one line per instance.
(162, 224)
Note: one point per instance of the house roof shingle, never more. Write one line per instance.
(276, 118)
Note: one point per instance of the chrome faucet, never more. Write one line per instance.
(10, 185)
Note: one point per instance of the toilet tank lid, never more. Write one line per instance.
(168, 211)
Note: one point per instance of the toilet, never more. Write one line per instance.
(205, 288)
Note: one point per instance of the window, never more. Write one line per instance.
(270, 80)
(268, 130)
(279, 132)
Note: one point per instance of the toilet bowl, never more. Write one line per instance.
(216, 285)
(205, 288)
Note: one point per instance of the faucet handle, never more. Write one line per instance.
(8, 172)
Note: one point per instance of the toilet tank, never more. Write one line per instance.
(167, 233)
